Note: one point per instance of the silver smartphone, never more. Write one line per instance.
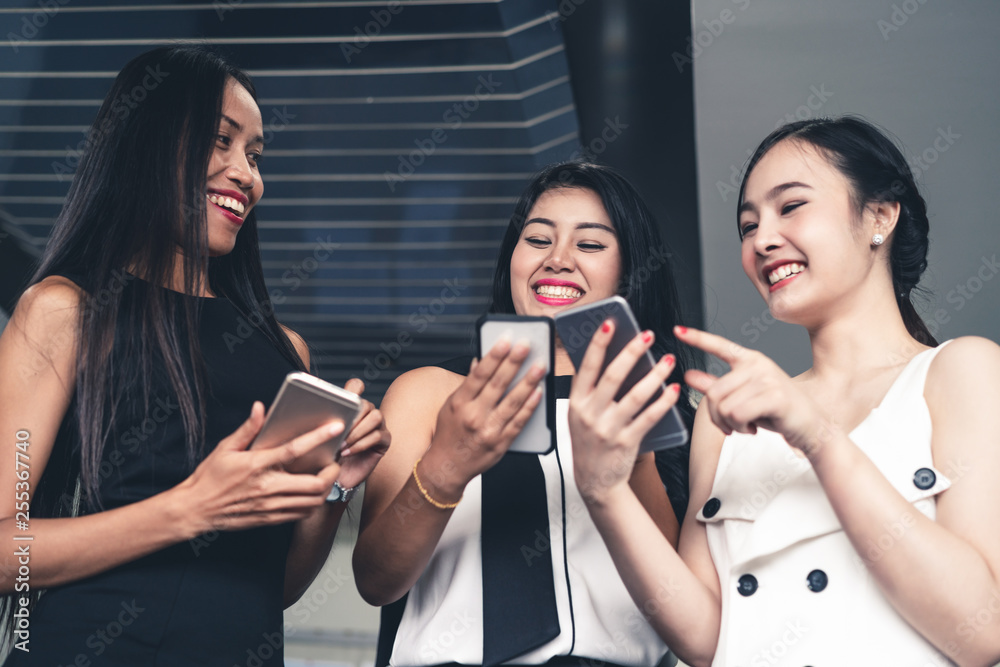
(538, 435)
(576, 327)
(305, 402)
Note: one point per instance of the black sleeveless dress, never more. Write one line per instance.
(215, 600)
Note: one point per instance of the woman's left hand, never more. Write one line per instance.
(606, 433)
(366, 442)
(754, 393)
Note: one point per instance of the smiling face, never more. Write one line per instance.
(804, 247)
(234, 182)
(567, 254)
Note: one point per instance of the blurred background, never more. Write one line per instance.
(399, 134)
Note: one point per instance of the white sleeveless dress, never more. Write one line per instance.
(443, 618)
(794, 589)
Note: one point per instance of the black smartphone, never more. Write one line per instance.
(538, 435)
(305, 402)
(576, 327)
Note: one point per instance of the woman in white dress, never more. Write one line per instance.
(849, 515)
(480, 558)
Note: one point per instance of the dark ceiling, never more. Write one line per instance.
(399, 135)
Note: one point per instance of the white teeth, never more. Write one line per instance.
(227, 202)
(558, 291)
(784, 271)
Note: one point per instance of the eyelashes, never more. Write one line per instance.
(785, 210)
(586, 247)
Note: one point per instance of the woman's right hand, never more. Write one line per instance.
(477, 423)
(236, 488)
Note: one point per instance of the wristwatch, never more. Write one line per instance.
(339, 494)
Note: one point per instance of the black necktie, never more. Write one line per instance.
(519, 598)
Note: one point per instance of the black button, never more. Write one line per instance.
(711, 507)
(817, 580)
(924, 478)
(747, 585)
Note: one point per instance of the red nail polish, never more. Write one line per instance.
(681, 330)
(676, 388)
(669, 359)
(606, 327)
(647, 336)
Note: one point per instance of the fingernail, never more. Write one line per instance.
(537, 370)
(334, 429)
(668, 360)
(647, 336)
(606, 327)
(675, 387)
(681, 330)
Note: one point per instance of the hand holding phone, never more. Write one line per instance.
(538, 435)
(577, 326)
(305, 402)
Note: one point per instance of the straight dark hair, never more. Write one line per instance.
(139, 197)
(878, 173)
(646, 282)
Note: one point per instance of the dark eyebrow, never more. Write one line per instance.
(773, 193)
(579, 225)
(239, 128)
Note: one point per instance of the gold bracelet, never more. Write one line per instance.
(427, 496)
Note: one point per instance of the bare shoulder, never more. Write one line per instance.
(965, 364)
(299, 343)
(424, 386)
(44, 322)
(53, 298)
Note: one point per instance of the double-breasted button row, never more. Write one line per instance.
(816, 581)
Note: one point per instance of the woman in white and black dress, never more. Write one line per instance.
(484, 558)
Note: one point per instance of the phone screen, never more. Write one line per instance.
(537, 436)
(577, 326)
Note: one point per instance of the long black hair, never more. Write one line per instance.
(139, 196)
(646, 282)
(878, 173)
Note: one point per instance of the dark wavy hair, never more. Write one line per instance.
(647, 285)
(878, 173)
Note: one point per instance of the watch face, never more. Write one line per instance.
(336, 494)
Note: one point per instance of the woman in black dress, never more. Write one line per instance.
(127, 374)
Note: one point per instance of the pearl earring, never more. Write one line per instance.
(878, 239)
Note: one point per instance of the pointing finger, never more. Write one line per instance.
(723, 348)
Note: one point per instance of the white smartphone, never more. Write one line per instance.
(538, 435)
(576, 327)
(305, 402)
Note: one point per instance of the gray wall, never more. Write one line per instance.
(923, 69)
